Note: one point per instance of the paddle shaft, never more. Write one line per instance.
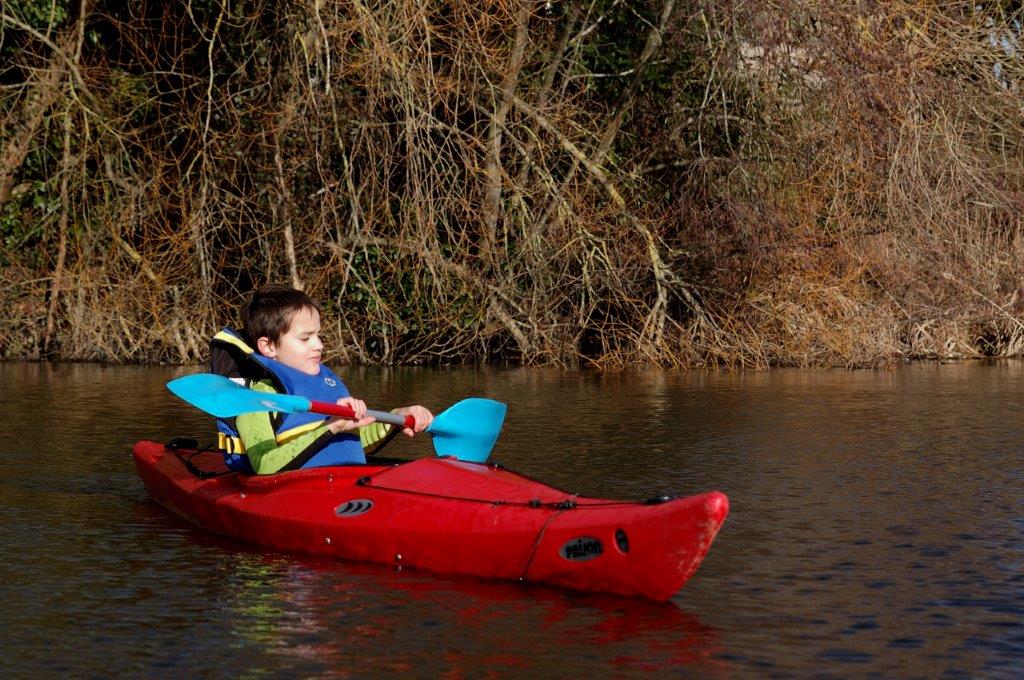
(466, 430)
(329, 409)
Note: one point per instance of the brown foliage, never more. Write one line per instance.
(826, 184)
(875, 201)
(413, 164)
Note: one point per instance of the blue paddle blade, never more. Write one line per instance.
(468, 429)
(223, 398)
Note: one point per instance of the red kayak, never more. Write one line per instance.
(447, 516)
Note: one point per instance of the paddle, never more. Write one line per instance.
(467, 430)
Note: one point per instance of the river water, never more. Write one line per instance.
(876, 527)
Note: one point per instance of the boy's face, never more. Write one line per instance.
(300, 347)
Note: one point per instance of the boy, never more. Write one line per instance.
(279, 350)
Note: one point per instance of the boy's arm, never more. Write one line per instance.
(257, 434)
(267, 457)
(376, 436)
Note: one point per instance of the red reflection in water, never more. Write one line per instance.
(340, 619)
(418, 623)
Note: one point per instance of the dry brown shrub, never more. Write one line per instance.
(879, 206)
(437, 173)
(832, 184)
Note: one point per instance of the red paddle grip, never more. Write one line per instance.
(329, 409)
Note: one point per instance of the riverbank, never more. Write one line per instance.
(720, 184)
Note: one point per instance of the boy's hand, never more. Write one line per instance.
(422, 416)
(337, 425)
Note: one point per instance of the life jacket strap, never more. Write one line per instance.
(233, 444)
(230, 444)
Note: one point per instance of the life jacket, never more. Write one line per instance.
(231, 356)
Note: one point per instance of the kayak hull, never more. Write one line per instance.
(451, 517)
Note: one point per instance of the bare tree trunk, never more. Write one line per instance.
(550, 71)
(626, 99)
(46, 91)
(282, 213)
(625, 102)
(62, 244)
(65, 201)
(492, 166)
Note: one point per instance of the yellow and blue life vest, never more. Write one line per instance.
(230, 355)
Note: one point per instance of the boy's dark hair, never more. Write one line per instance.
(270, 310)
